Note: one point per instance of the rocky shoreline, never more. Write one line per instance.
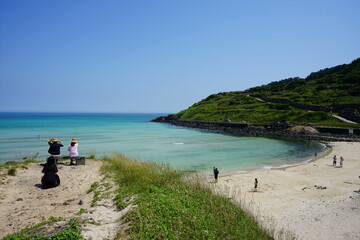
(270, 131)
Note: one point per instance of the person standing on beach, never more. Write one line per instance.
(216, 174)
(55, 145)
(256, 184)
(334, 161)
(341, 161)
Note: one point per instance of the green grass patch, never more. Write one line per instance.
(97, 193)
(82, 211)
(101, 190)
(93, 187)
(10, 168)
(13, 164)
(169, 207)
(48, 230)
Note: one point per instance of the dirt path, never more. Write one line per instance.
(335, 116)
(343, 119)
(24, 203)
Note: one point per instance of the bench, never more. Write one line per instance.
(78, 160)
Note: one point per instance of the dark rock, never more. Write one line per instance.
(81, 202)
(19, 199)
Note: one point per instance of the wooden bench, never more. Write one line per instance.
(78, 160)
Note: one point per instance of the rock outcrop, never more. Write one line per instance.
(271, 131)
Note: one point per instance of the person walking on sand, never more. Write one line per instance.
(256, 184)
(73, 150)
(341, 161)
(216, 174)
(334, 161)
(55, 145)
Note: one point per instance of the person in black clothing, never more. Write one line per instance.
(256, 183)
(55, 145)
(50, 178)
(216, 174)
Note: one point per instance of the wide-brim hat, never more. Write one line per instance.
(54, 139)
(74, 140)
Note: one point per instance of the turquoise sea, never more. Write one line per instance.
(24, 135)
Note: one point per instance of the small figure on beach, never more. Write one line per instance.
(73, 150)
(315, 154)
(341, 161)
(334, 161)
(256, 184)
(216, 174)
(55, 145)
(50, 178)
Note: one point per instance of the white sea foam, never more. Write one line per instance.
(178, 143)
(264, 168)
(323, 145)
(242, 172)
(267, 167)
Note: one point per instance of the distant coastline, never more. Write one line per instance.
(270, 131)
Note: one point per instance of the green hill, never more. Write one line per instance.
(314, 99)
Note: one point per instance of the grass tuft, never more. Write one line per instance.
(47, 230)
(93, 187)
(12, 172)
(92, 153)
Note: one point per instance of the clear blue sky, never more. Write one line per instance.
(162, 56)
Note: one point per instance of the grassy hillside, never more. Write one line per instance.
(337, 85)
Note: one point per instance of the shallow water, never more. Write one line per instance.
(25, 134)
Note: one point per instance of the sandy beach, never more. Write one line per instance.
(311, 201)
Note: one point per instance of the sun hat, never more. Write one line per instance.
(74, 140)
(54, 139)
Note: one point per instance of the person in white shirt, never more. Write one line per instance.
(73, 149)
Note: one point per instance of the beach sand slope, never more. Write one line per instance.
(311, 201)
(23, 203)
